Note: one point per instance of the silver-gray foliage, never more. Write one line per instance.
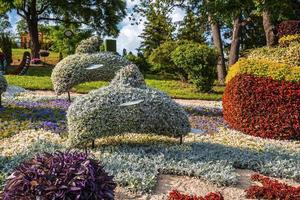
(3, 84)
(80, 68)
(127, 105)
(90, 45)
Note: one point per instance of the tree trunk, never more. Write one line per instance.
(34, 36)
(269, 29)
(32, 22)
(216, 34)
(235, 41)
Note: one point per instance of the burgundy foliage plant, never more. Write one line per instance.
(176, 195)
(69, 175)
(263, 107)
(271, 189)
(289, 27)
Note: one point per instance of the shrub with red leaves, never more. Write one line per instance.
(272, 189)
(176, 195)
(289, 27)
(59, 176)
(263, 107)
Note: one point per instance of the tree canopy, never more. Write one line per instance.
(102, 16)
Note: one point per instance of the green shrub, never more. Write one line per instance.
(199, 62)
(264, 68)
(289, 55)
(140, 61)
(161, 60)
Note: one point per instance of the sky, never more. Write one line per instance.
(128, 37)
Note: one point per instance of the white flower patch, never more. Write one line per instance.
(21, 142)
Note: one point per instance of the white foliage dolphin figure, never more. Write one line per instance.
(85, 66)
(127, 105)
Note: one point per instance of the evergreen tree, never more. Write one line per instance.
(191, 29)
(158, 28)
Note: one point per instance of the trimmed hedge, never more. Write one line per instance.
(289, 27)
(286, 40)
(263, 107)
(264, 68)
(289, 55)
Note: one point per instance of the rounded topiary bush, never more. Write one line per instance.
(199, 62)
(289, 27)
(289, 54)
(70, 175)
(262, 98)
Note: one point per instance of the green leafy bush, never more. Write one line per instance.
(161, 59)
(140, 61)
(264, 68)
(289, 54)
(199, 62)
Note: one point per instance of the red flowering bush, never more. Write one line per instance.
(263, 107)
(289, 27)
(271, 189)
(59, 176)
(176, 195)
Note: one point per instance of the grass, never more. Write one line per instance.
(18, 55)
(38, 78)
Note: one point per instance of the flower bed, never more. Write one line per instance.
(176, 195)
(271, 189)
(136, 160)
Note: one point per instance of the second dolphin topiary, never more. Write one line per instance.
(127, 105)
(85, 66)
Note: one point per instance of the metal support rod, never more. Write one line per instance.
(93, 144)
(69, 96)
(181, 140)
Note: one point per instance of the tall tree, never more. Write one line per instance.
(158, 28)
(102, 16)
(191, 28)
(274, 11)
(4, 23)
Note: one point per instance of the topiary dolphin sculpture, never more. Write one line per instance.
(85, 66)
(3, 86)
(127, 105)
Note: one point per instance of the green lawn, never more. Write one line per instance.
(38, 78)
(18, 55)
